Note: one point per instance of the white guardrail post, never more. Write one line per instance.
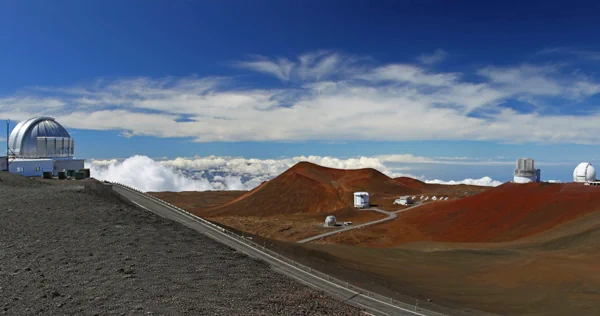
(273, 253)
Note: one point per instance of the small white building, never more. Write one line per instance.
(330, 220)
(404, 200)
(361, 199)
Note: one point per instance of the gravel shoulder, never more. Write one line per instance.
(78, 249)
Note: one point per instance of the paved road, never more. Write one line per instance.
(391, 216)
(352, 297)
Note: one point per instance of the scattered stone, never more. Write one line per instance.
(151, 265)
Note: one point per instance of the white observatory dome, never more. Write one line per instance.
(330, 220)
(584, 172)
(40, 137)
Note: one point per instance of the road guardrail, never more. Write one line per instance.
(262, 248)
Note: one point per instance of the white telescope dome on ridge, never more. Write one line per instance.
(525, 171)
(584, 172)
(40, 137)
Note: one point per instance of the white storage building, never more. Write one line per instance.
(404, 200)
(361, 199)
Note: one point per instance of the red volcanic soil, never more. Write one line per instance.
(309, 188)
(505, 213)
(413, 183)
(458, 190)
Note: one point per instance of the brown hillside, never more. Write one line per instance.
(455, 189)
(505, 213)
(309, 188)
(412, 183)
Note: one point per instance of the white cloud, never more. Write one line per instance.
(313, 66)
(539, 80)
(332, 97)
(407, 158)
(270, 167)
(429, 59)
(227, 173)
(280, 68)
(411, 74)
(319, 65)
(146, 174)
(126, 134)
(485, 181)
(582, 54)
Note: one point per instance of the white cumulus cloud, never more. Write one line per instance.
(228, 173)
(328, 96)
(485, 181)
(429, 59)
(146, 175)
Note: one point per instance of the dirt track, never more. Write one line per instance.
(72, 250)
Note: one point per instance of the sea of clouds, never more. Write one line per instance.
(226, 173)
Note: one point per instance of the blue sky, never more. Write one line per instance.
(489, 82)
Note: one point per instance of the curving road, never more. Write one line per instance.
(353, 296)
(391, 216)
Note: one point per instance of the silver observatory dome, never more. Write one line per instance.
(40, 137)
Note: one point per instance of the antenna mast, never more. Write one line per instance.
(7, 161)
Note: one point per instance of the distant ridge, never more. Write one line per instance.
(505, 213)
(412, 183)
(310, 188)
(442, 188)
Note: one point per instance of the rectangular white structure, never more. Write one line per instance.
(36, 167)
(404, 200)
(31, 167)
(361, 199)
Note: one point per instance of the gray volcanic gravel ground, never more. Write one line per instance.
(70, 249)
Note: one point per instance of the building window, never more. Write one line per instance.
(20, 169)
(37, 168)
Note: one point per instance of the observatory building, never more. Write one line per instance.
(330, 220)
(584, 172)
(40, 144)
(526, 172)
(404, 200)
(361, 199)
